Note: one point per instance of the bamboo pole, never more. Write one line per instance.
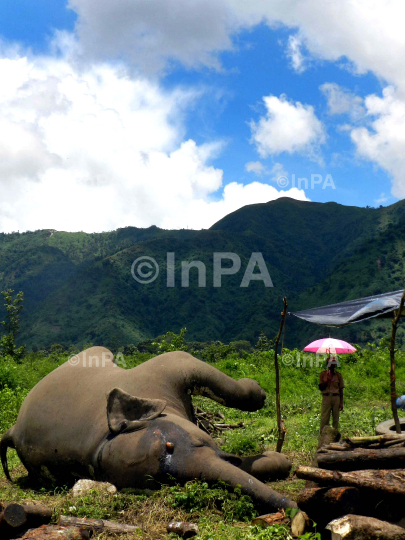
(280, 423)
(392, 370)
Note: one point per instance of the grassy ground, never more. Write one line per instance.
(220, 514)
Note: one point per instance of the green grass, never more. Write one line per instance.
(220, 514)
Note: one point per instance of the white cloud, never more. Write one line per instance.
(93, 149)
(279, 173)
(151, 33)
(342, 101)
(295, 55)
(255, 167)
(384, 143)
(287, 127)
(369, 33)
(235, 196)
(382, 199)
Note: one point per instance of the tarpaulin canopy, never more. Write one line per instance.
(380, 305)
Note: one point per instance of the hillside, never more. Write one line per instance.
(78, 287)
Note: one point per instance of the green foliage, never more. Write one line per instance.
(11, 324)
(214, 352)
(98, 505)
(264, 343)
(10, 403)
(224, 531)
(172, 342)
(197, 496)
(242, 443)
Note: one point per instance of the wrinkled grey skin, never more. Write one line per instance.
(97, 420)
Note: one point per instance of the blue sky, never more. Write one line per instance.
(176, 113)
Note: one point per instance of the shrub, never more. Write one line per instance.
(197, 496)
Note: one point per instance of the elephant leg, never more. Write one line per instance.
(188, 375)
(265, 499)
(268, 466)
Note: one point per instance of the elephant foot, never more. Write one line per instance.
(268, 466)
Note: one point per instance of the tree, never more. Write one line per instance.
(264, 344)
(12, 324)
(172, 342)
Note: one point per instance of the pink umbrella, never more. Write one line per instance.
(330, 346)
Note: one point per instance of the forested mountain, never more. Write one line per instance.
(79, 288)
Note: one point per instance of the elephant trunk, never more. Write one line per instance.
(265, 499)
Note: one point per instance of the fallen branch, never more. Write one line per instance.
(208, 422)
(97, 525)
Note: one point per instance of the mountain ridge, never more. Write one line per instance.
(79, 288)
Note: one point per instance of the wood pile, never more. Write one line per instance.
(357, 478)
(30, 521)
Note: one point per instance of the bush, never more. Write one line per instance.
(10, 403)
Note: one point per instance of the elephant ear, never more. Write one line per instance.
(129, 413)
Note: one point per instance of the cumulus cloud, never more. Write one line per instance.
(94, 149)
(235, 196)
(342, 101)
(150, 34)
(287, 127)
(369, 34)
(384, 143)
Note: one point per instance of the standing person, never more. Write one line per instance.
(331, 385)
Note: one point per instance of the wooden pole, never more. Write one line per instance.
(392, 370)
(280, 423)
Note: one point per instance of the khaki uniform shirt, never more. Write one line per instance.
(335, 385)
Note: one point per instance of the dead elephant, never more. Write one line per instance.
(90, 418)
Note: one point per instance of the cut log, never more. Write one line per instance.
(183, 528)
(325, 504)
(97, 525)
(363, 458)
(16, 515)
(353, 527)
(13, 516)
(300, 524)
(385, 481)
(55, 532)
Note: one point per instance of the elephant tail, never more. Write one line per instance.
(6, 443)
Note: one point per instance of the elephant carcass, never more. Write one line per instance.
(90, 418)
